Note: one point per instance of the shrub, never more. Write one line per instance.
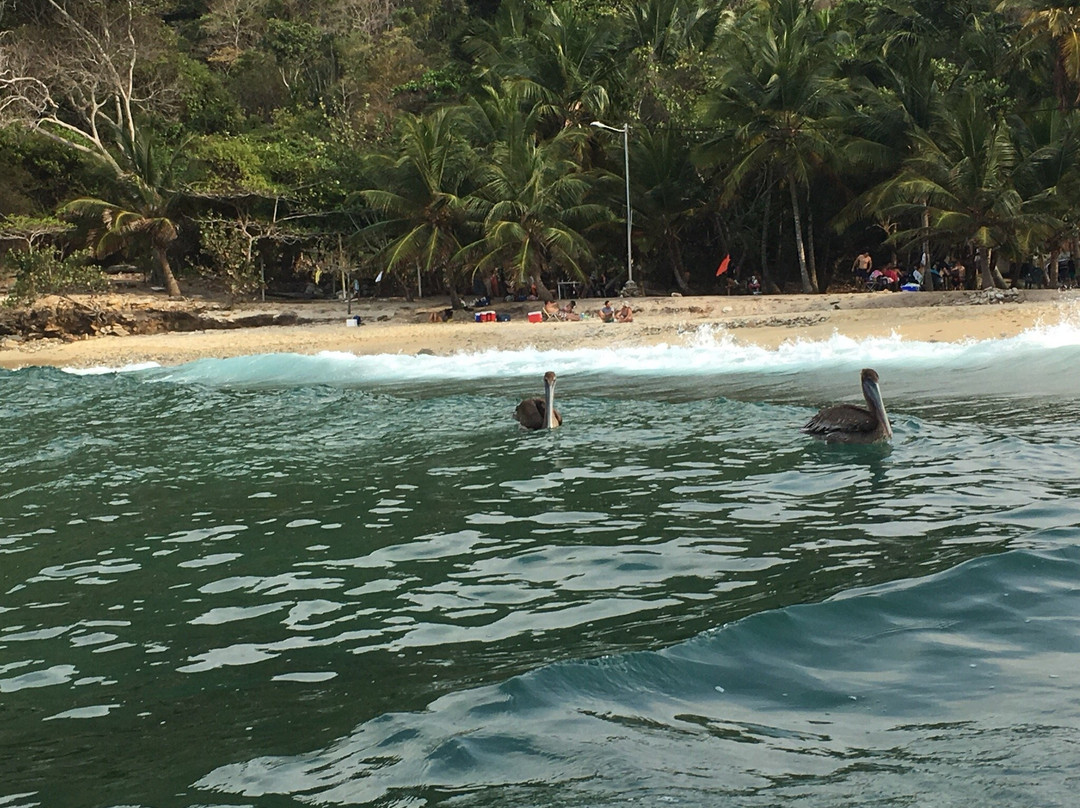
(226, 252)
(48, 272)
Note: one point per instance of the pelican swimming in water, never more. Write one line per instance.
(846, 423)
(540, 413)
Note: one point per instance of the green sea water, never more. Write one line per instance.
(337, 580)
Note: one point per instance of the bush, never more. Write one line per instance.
(48, 272)
(226, 254)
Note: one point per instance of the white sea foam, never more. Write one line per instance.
(104, 370)
(707, 351)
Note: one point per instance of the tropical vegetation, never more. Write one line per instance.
(300, 144)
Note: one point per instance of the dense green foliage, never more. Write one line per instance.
(46, 271)
(442, 141)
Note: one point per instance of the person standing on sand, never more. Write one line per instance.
(863, 265)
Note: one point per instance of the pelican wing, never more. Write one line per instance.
(841, 419)
(529, 413)
(532, 414)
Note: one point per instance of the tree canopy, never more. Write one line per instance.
(443, 140)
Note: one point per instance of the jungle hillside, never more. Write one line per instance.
(423, 146)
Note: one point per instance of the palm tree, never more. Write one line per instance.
(557, 56)
(1058, 26)
(963, 175)
(141, 219)
(420, 196)
(1050, 179)
(665, 29)
(779, 88)
(535, 209)
(667, 193)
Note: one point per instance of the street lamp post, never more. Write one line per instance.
(631, 287)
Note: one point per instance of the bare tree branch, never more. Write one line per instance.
(75, 78)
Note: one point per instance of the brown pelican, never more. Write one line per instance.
(540, 413)
(846, 423)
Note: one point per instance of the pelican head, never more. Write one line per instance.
(872, 394)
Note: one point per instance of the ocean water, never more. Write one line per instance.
(338, 580)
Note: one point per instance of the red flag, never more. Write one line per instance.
(723, 266)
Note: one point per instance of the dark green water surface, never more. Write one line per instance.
(284, 583)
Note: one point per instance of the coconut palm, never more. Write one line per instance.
(535, 204)
(1050, 179)
(1058, 26)
(962, 175)
(141, 219)
(557, 56)
(667, 193)
(420, 196)
(665, 42)
(666, 28)
(779, 88)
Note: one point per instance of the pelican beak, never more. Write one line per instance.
(549, 403)
(873, 395)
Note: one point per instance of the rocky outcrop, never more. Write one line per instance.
(69, 320)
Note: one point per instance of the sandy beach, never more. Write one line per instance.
(396, 326)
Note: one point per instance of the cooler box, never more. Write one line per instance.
(536, 316)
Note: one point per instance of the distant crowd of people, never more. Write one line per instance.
(944, 275)
(951, 273)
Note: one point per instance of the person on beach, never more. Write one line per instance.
(863, 265)
(607, 314)
(753, 286)
(569, 311)
(625, 314)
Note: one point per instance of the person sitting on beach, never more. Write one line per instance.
(625, 314)
(753, 286)
(607, 314)
(553, 312)
(569, 311)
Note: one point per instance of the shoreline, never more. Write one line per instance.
(395, 326)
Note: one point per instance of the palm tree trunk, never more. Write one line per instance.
(928, 278)
(982, 257)
(995, 270)
(1052, 269)
(677, 264)
(800, 248)
(765, 238)
(542, 291)
(171, 286)
(455, 299)
(811, 249)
